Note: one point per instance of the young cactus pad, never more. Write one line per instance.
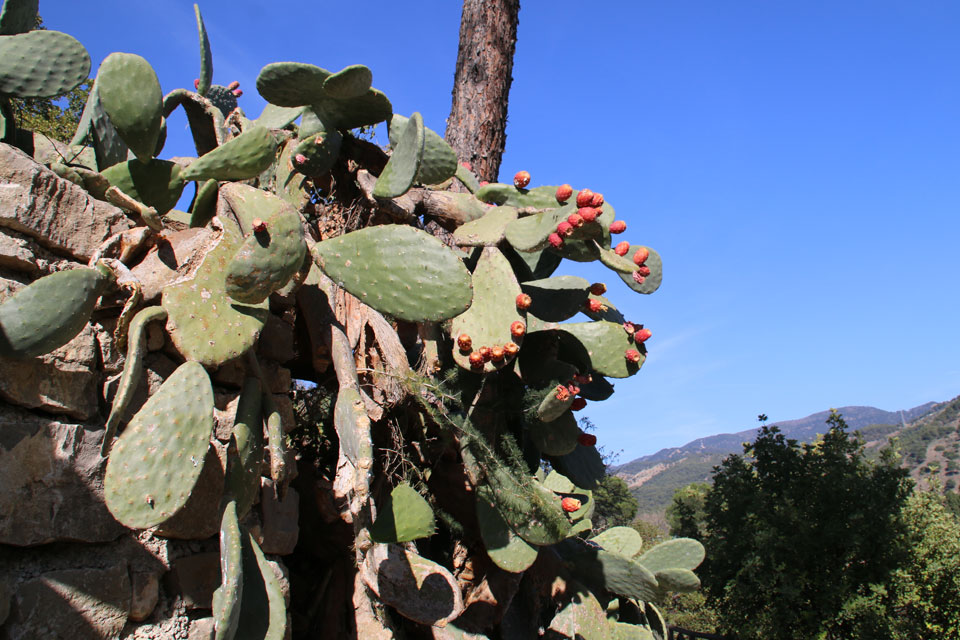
(158, 458)
(398, 270)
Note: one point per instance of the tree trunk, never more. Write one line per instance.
(476, 128)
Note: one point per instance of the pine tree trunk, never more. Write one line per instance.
(476, 128)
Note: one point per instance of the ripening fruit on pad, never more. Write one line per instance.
(158, 458)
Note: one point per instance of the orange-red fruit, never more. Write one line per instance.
(196, 83)
(597, 200)
(638, 277)
(233, 85)
(300, 159)
(562, 393)
(582, 379)
(521, 179)
(555, 240)
(630, 328)
(464, 342)
(467, 166)
(565, 229)
(578, 404)
(259, 226)
(585, 198)
(643, 270)
(598, 288)
(512, 348)
(517, 329)
(641, 255)
(632, 355)
(486, 353)
(642, 335)
(575, 220)
(622, 248)
(594, 305)
(564, 192)
(524, 301)
(476, 360)
(484, 183)
(587, 439)
(237, 92)
(587, 214)
(497, 354)
(573, 389)
(618, 226)
(570, 505)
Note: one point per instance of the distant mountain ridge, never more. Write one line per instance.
(654, 478)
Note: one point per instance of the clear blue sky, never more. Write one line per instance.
(797, 165)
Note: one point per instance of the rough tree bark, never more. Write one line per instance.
(476, 128)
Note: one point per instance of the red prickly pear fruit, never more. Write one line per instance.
(630, 328)
(643, 270)
(597, 200)
(632, 355)
(564, 192)
(512, 348)
(476, 360)
(618, 226)
(233, 85)
(572, 388)
(638, 277)
(524, 301)
(237, 92)
(641, 255)
(642, 335)
(521, 179)
(196, 83)
(562, 393)
(484, 183)
(467, 166)
(587, 439)
(594, 305)
(598, 288)
(585, 198)
(578, 404)
(300, 159)
(555, 240)
(622, 248)
(575, 220)
(565, 229)
(464, 342)
(518, 329)
(570, 505)
(588, 214)
(497, 354)
(486, 353)
(259, 226)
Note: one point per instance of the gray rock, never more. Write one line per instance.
(201, 629)
(18, 253)
(195, 578)
(145, 588)
(51, 481)
(58, 214)
(71, 603)
(280, 519)
(172, 252)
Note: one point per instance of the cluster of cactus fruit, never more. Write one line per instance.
(490, 319)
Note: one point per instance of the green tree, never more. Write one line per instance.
(794, 530)
(615, 505)
(687, 511)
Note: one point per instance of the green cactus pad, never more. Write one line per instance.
(349, 418)
(552, 407)
(531, 511)
(467, 178)
(158, 458)
(266, 260)
(678, 580)
(558, 298)
(18, 16)
(132, 371)
(584, 466)
(560, 484)
(263, 614)
(557, 437)
(204, 205)
(530, 233)
(582, 619)
(679, 553)
(228, 596)
(531, 265)
(404, 165)
(349, 82)
(582, 527)
(292, 84)
(41, 64)
(288, 183)
(403, 517)
(222, 98)
(507, 550)
(368, 109)
(494, 309)
(274, 117)
(204, 323)
(614, 572)
(623, 540)
(608, 311)
(538, 197)
(439, 162)
(320, 150)
(611, 260)
(398, 270)
(156, 183)
(95, 129)
(206, 56)
(242, 158)
(598, 346)
(243, 471)
(49, 312)
(655, 620)
(487, 231)
(131, 96)
(650, 283)
(276, 442)
(597, 390)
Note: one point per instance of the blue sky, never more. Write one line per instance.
(795, 163)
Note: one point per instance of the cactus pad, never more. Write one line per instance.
(206, 56)
(679, 553)
(18, 16)
(538, 197)
(227, 597)
(403, 517)
(439, 162)
(614, 573)
(599, 346)
(558, 298)
(349, 418)
(507, 550)
(651, 282)
(404, 165)
(583, 618)
(319, 152)
(623, 540)
(243, 470)
(531, 232)
(41, 64)
(244, 157)
(49, 312)
(467, 178)
(584, 466)
(493, 312)
(292, 84)
(204, 205)
(557, 437)
(274, 117)
(131, 96)
(158, 458)
(263, 614)
(204, 323)
(678, 580)
(95, 129)
(532, 511)
(349, 82)
(156, 183)
(399, 271)
(487, 231)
